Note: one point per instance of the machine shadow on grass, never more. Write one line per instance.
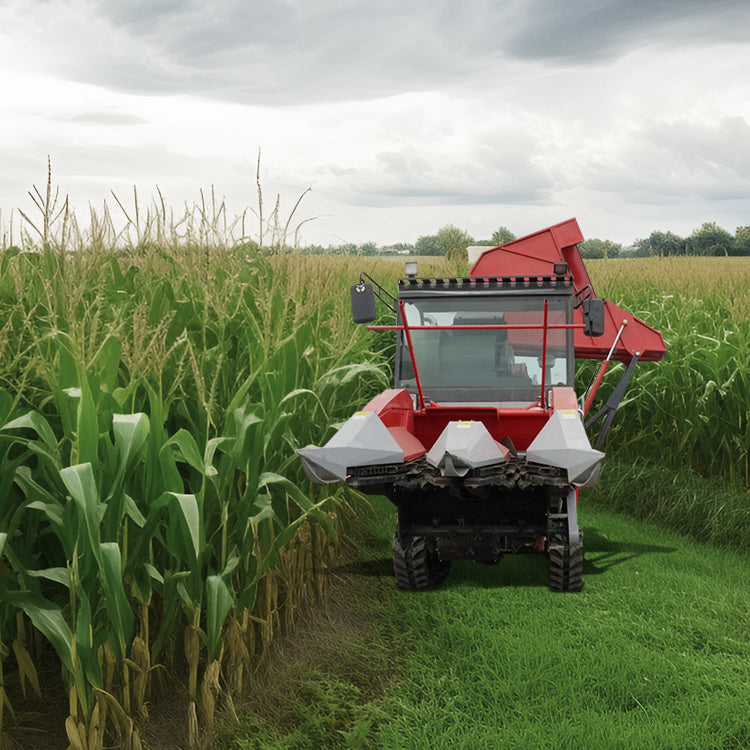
(601, 555)
(511, 571)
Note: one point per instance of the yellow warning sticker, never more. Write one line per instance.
(361, 414)
(465, 423)
(568, 413)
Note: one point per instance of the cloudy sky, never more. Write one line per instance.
(631, 115)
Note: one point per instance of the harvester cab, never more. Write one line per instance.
(482, 443)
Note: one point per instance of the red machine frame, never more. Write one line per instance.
(545, 253)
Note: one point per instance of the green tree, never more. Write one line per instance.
(502, 235)
(367, 248)
(348, 248)
(450, 241)
(660, 243)
(742, 241)
(455, 241)
(595, 248)
(428, 245)
(710, 239)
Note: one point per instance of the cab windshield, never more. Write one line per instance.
(485, 365)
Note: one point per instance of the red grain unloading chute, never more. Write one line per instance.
(537, 254)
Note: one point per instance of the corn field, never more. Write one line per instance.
(693, 408)
(153, 387)
(153, 516)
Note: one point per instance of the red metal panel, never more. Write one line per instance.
(520, 424)
(562, 397)
(536, 254)
(392, 398)
(396, 410)
(417, 430)
(637, 338)
(410, 445)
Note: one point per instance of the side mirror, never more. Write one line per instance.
(593, 316)
(363, 303)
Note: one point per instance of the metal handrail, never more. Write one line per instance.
(544, 326)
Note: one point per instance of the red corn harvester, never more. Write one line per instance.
(482, 442)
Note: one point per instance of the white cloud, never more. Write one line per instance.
(401, 118)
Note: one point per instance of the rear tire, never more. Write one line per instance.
(415, 566)
(565, 562)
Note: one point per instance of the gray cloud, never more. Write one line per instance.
(281, 52)
(485, 172)
(291, 52)
(294, 51)
(599, 29)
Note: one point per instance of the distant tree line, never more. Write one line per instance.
(708, 240)
(450, 241)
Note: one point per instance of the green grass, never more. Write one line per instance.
(653, 653)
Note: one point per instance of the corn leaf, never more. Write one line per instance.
(189, 516)
(73, 381)
(88, 423)
(58, 575)
(153, 572)
(170, 475)
(119, 613)
(37, 423)
(131, 432)
(219, 600)
(48, 620)
(85, 648)
(80, 482)
(40, 499)
(269, 479)
(133, 512)
(107, 362)
(8, 254)
(186, 446)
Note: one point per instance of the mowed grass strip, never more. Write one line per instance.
(653, 653)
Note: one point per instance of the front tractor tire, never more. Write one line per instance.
(415, 565)
(565, 562)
